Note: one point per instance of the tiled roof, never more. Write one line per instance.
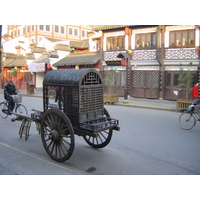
(62, 47)
(106, 27)
(83, 44)
(38, 49)
(17, 61)
(30, 56)
(42, 59)
(54, 39)
(88, 58)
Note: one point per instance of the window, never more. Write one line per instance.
(168, 82)
(28, 29)
(147, 40)
(83, 33)
(183, 38)
(70, 31)
(18, 31)
(24, 30)
(47, 27)
(175, 80)
(41, 27)
(76, 32)
(56, 28)
(116, 43)
(33, 27)
(62, 29)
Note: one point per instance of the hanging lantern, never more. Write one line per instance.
(123, 62)
(126, 31)
(26, 67)
(48, 66)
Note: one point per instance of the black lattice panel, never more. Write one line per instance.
(91, 79)
(91, 103)
(156, 78)
(144, 55)
(111, 55)
(181, 53)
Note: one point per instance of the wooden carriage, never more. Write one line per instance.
(79, 109)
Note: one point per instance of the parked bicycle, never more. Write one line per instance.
(189, 117)
(19, 108)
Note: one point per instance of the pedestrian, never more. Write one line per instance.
(195, 91)
(9, 90)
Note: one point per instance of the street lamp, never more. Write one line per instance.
(126, 56)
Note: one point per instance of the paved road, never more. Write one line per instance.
(150, 142)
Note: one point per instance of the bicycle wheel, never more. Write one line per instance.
(21, 109)
(3, 110)
(187, 120)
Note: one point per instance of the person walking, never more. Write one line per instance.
(9, 90)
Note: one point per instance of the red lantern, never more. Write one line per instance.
(48, 66)
(126, 31)
(26, 67)
(123, 61)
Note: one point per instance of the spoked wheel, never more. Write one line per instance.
(187, 120)
(3, 110)
(57, 135)
(102, 138)
(21, 109)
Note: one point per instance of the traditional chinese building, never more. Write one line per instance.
(35, 33)
(159, 54)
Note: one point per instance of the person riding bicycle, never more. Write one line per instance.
(9, 90)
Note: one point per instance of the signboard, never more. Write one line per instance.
(36, 67)
(113, 63)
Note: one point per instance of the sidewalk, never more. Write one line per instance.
(148, 103)
(134, 102)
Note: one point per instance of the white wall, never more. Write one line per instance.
(39, 80)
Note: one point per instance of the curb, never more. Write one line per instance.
(141, 106)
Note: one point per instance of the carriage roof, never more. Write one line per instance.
(72, 77)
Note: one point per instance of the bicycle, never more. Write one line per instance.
(189, 117)
(19, 108)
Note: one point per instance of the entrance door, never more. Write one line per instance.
(172, 90)
(145, 84)
(118, 84)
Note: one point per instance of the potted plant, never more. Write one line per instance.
(185, 81)
(109, 80)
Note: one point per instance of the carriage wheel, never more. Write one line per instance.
(102, 138)
(57, 135)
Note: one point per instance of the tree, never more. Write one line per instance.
(185, 80)
(109, 79)
(14, 72)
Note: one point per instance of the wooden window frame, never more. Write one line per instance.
(41, 27)
(115, 43)
(56, 29)
(146, 41)
(75, 32)
(70, 31)
(62, 29)
(182, 41)
(47, 28)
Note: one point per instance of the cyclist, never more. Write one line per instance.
(9, 90)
